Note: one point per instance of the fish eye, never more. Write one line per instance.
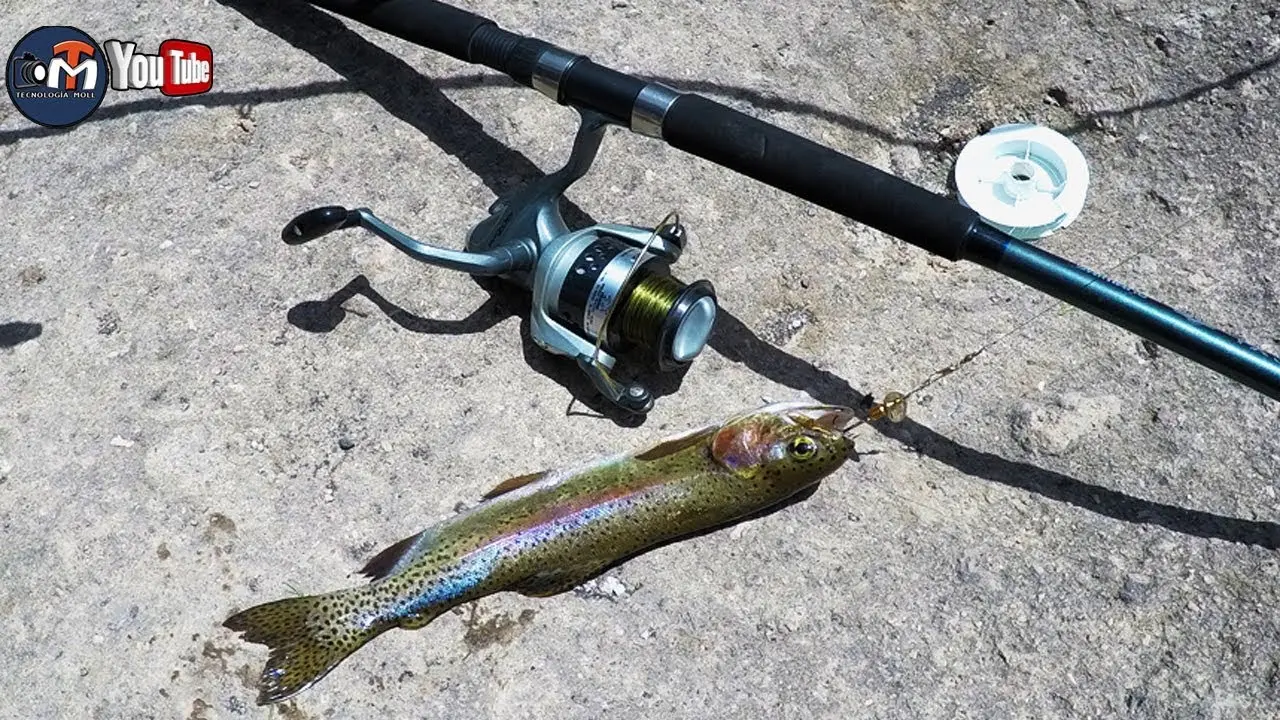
(802, 447)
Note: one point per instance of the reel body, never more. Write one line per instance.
(597, 291)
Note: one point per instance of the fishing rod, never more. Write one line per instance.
(608, 288)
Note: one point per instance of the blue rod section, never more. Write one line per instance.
(1140, 315)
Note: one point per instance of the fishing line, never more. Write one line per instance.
(894, 405)
(575, 273)
(647, 307)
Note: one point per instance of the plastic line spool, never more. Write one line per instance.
(1027, 180)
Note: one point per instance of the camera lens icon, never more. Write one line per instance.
(27, 71)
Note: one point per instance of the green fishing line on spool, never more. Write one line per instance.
(645, 308)
(668, 319)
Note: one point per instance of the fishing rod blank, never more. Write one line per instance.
(806, 169)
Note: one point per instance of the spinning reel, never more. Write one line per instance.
(597, 291)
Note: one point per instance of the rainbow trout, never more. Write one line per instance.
(546, 533)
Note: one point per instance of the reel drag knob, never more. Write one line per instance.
(688, 317)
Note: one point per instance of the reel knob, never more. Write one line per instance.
(317, 222)
(637, 399)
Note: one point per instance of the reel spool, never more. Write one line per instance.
(597, 292)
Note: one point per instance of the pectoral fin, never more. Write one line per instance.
(740, 446)
(675, 444)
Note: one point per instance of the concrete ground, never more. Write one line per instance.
(1073, 525)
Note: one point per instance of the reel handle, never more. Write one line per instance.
(316, 222)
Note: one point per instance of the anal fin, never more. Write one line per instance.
(420, 620)
(553, 582)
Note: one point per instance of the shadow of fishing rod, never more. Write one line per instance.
(1085, 122)
(736, 342)
(415, 99)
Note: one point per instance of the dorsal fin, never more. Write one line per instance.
(381, 564)
(510, 484)
(392, 559)
(676, 444)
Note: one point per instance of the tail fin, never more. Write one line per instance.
(308, 637)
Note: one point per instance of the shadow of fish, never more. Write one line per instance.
(546, 533)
